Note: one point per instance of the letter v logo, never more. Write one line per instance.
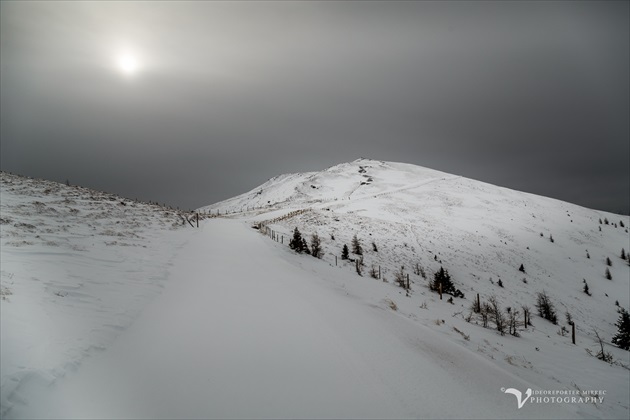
(519, 395)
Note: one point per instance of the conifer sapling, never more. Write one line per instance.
(622, 338)
(345, 252)
(297, 243)
(356, 246)
(316, 246)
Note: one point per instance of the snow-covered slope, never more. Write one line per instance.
(481, 234)
(115, 310)
(286, 337)
(78, 266)
(359, 179)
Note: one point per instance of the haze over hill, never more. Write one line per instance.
(190, 103)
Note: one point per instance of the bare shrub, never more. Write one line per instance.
(465, 336)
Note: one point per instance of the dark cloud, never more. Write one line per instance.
(528, 95)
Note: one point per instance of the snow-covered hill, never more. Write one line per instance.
(116, 309)
(481, 234)
(78, 266)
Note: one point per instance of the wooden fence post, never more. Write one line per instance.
(408, 281)
(335, 261)
(478, 304)
(197, 215)
(379, 272)
(573, 332)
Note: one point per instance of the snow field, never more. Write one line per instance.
(278, 338)
(77, 266)
(113, 309)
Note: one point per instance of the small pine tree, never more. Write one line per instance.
(608, 275)
(569, 318)
(316, 246)
(623, 254)
(621, 223)
(500, 283)
(373, 272)
(443, 277)
(586, 289)
(345, 252)
(305, 246)
(526, 312)
(551, 238)
(606, 220)
(297, 243)
(374, 248)
(521, 268)
(608, 262)
(546, 308)
(600, 220)
(356, 246)
(622, 338)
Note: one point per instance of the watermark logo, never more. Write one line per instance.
(556, 396)
(518, 395)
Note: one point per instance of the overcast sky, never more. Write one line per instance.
(213, 98)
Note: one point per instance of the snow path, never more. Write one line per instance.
(243, 332)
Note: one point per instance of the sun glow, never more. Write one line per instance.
(128, 64)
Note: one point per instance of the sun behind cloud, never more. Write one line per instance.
(128, 64)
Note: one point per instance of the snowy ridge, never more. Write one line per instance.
(77, 267)
(333, 184)
(481, 233)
